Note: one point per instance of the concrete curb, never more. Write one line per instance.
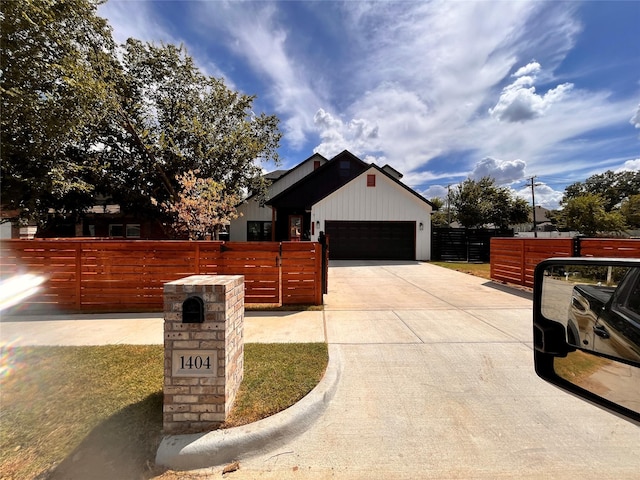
(220, 447)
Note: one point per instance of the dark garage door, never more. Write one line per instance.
(371, 240)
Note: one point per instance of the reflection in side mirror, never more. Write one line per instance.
(598, 305)
(587, 329)
(614, 381)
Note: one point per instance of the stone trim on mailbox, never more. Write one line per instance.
(203, 358)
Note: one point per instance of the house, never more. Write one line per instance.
(103, 220)
(365, 210)
(255, 221)
(542, 222)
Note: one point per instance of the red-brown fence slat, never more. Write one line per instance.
(298, 287)
(605, 247)
(114, 275)
(514, 260)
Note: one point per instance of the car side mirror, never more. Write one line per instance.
(586, 325)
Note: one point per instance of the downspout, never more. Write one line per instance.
(273, 224)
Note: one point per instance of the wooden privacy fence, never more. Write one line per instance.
(514, 260)
(123, 276)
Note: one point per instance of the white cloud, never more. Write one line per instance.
(502, 171)
(435, 191)
(254, 33)
(380, 161)
(417, 79)
(635, 120)
(409, 82)
(532, 68)
(134, 20)
(424, 180)
(337, 135)
(326, 122)
(558, 143)
(362, 129)
(545, 195)
(630, 166)
(519, 101)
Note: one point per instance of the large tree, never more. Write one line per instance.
(477, 203)
(504, 209)
(54, 85)
(439, 217)
(587, 214)
(613, 187)
(603, 203)
(81, 120)
(174, 119)
(630, 210)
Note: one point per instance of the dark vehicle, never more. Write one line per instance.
(587, 337)
(607, 319)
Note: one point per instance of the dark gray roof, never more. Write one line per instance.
(275, 175)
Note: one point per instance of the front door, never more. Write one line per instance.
(295, 227)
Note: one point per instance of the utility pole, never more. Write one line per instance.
(448, 206)
(533, 201)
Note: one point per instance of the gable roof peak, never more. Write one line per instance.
(343, 153)
(346, 154)
(391, 176)
(314, 155)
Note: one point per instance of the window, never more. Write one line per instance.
(116, 230)
(258, 231)
(133, 230)
(344, 168)
(371, 180)
(316, 164)
(626, 300)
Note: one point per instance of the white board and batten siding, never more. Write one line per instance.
(251, 209)
(387, 201)
(248, 211)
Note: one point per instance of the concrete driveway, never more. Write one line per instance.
(438, 382)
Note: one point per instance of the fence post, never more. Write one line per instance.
(79, 251)
(493, 245)
(319, 284)
(522, 261)
(280, 285)
(577, 247)
(324, 242)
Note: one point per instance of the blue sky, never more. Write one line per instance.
(440, 90)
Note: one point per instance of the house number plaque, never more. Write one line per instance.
(194, 363)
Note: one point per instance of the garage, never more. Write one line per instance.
(371, 240)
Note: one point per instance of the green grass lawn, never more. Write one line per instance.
(275, 377)
(478, 269)
(96, 412)
(578, 366)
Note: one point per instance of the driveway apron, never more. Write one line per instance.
(437, 381)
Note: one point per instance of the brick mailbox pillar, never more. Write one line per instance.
(203, 351)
